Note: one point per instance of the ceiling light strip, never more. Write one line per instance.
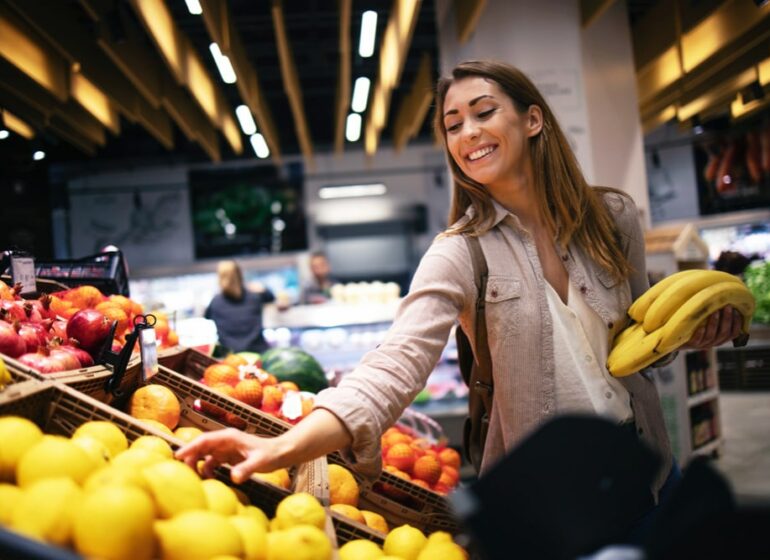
(343, 84)
(368, 34)
(352, 191)
(360, 94)
(246, 120)
(224, 66)
(353, 127)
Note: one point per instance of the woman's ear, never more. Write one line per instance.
(534, 121)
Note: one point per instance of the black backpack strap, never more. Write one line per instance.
(481, 376)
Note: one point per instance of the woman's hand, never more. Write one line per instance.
(720, 327)
(245, 453)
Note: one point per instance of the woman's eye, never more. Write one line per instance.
(485, 114)
(453, 127)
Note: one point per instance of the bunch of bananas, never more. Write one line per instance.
(666, 316)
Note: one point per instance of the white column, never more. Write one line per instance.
(586, 76)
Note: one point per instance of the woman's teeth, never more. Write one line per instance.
(473, 156)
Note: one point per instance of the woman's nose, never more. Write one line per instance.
(470, 131)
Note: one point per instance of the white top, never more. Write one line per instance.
(580, 347)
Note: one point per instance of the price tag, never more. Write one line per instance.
(148, 350)
(23, 272)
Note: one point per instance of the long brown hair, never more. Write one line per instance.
(570, 207)
(230, 279)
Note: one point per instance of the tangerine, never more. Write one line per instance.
(220, 373)
(155, 402)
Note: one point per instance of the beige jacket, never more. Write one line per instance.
(372, 397)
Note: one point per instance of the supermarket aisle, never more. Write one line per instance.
(745, 459)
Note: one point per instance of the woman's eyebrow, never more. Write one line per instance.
(471, 104)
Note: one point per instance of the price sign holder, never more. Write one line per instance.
(23, 272)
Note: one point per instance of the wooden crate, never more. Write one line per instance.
(91, 380)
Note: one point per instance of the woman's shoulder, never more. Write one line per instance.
(620, 205)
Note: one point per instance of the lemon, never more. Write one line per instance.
(254, 536)
(115, 523)
(44, 510)
(160, 426)
(17, 435)
(303, 542)
(9, 497)
(360, 549)
(439, 536)
(137, 459)
(343, 488)
(5, 375)
(96, 450)
(375, 521)
(349, 511)
(153, 443)
(106, 432)
(51, 457)
(300, 509)
(198, 534)
(187, 433)
(256, 513)
(220, 497)
(175, 488)
(279, 477)
(441, 550)
(116, 476)
(405, 541)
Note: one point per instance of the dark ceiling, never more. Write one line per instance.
(313, 32)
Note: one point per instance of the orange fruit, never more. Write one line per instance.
(442, 489)
(235, 360)
(421, 483)
(343, 488)
(288, 386)
(401, 456)
(235, 421)
(155, 402)
(391, 490)
(375, 521)
(249, 391)
(351, 512)
(272, 398)
(172, 339)
(123, 302)
(220, 373)
(428, 469)
(161, 327)
(397, 437)
(450, 457)
(62, 307)
(84, 296)
(114, 313)
(270, 379)
(449, 476)
(307, 405)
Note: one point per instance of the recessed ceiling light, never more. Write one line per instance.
(368, 33)
(246, 119)
(194, 7)
(259, 145)
(353, 127)
(360, 95)
(4, 134)
(38, 155)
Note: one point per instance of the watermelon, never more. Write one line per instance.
(294, 364)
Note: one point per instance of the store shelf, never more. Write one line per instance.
(328, 315)
(703, 396)
(708, 448)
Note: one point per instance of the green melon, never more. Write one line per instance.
(294, 364)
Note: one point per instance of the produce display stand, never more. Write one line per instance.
(91, 380)
(422, 508)
(59, 410)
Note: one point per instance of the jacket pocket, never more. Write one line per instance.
(502, 304)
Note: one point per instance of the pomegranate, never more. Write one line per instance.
(59, 328)
(12, 311)
(83, 357)
(90, 328)
(11, 344)
(67, 359)
(34, 334)
(42, 361)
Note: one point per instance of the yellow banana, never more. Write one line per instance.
(683, 323)
(629, 336)
(677, 293)
(640, 306)
(625, 360)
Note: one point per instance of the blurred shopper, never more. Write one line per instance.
(565, 262)
(237, 311)
(318, 288)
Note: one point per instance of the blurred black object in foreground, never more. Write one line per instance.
(579, 483)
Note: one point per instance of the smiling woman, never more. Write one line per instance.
(564, 262)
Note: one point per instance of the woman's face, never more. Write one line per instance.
(485, 134)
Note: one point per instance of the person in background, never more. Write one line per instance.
(565, 262)
(237, 311)
(318, 288)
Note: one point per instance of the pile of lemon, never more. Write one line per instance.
(5, 375)
(105, 499)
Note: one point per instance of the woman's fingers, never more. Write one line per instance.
(245, 468)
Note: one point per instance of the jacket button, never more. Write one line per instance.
(494, 293)
(565, 257)
(610, 324)
(583, 289)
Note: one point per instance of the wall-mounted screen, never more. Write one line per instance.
(247, 211)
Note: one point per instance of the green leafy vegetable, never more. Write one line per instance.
(757, 279)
